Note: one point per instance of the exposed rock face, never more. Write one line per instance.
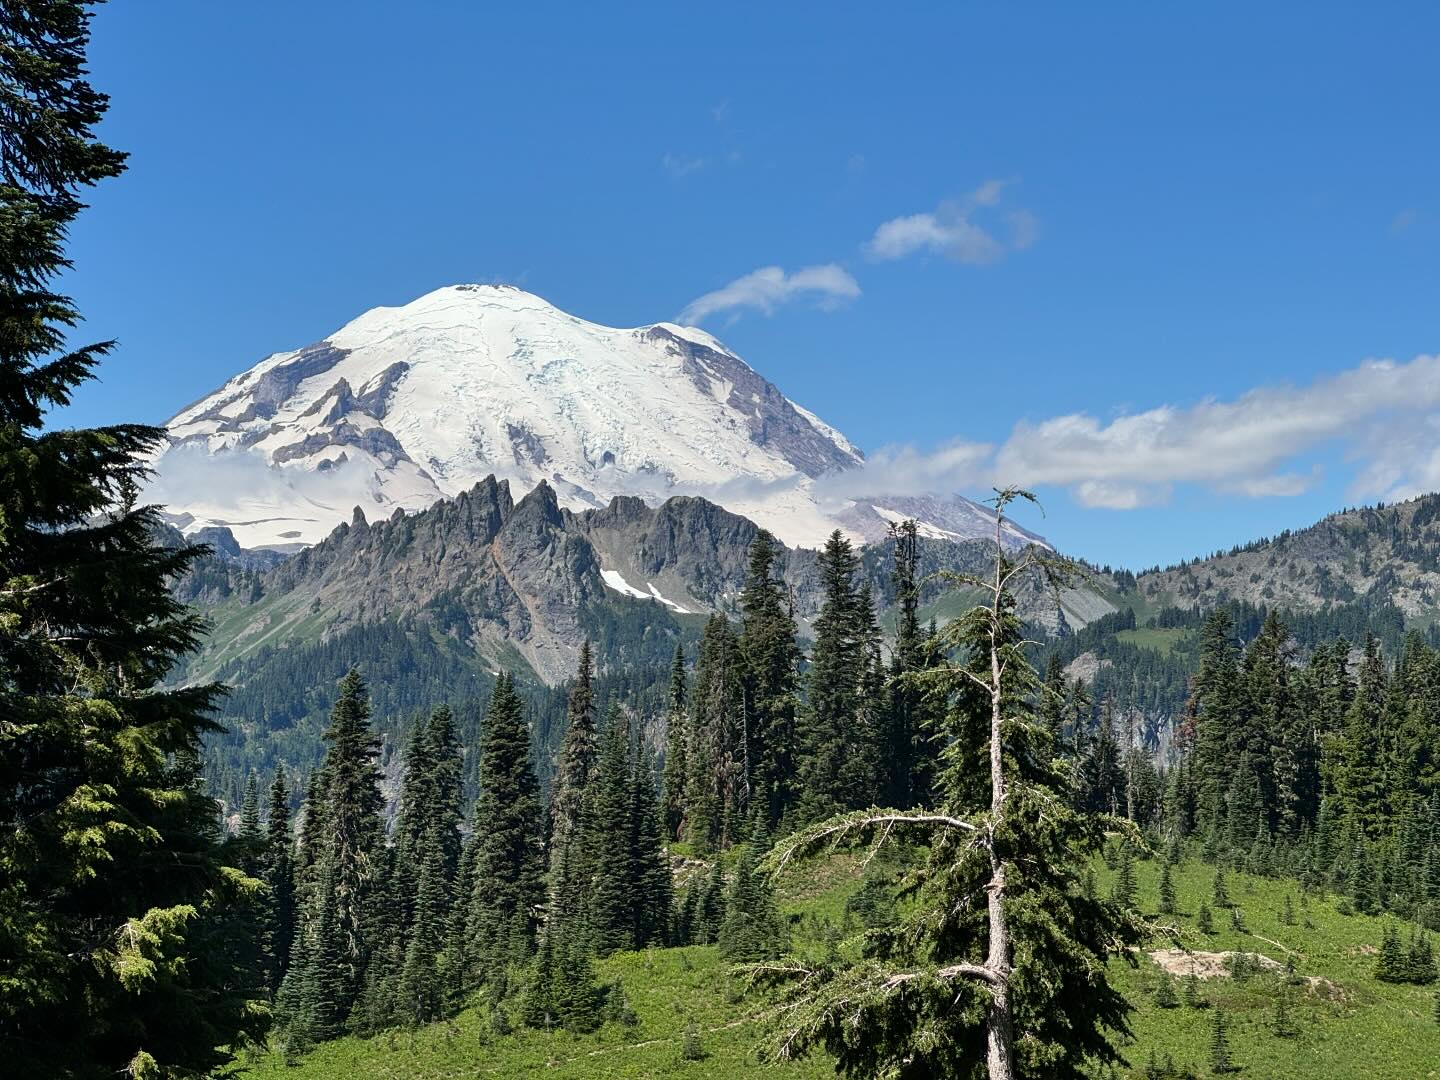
(531, 575)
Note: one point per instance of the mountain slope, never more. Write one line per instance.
(404, 406)
(1372, 555)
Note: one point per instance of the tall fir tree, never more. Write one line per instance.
(435, 853)
(508, 876)
(677, 742)
(1218, 711)
(911, 755)
(336, 913)
(113, 892)
(771, 654)
(280, 877)
(607, 840)
(1358, 786)
(837, 662)
(752, 929)
(716, 793)
(652, 891)
(574, 770)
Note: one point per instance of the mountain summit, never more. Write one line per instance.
(405, 406)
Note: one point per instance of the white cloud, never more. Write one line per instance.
(1384, 415)
(951, 230)
(769, 287)
(905, 470)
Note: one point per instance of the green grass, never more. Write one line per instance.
(667, 988)
(1348, 1024)
(1159, 640)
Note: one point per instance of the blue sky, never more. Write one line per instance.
(983, 217)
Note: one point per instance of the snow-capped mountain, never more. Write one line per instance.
(405, 406)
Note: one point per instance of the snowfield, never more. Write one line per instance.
(408, 405)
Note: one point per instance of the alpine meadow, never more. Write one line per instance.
(485, 689)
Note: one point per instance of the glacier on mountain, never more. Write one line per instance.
(405, 406)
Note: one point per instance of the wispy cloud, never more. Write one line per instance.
(770, 287)
(1383, 415)
(679, 165)
(959, 229)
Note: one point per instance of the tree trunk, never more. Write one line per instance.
(999, 1055)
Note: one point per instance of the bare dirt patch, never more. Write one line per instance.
(1207, 965)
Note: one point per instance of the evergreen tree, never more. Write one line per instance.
(1219, 714)
(831, 702)
(751, 929)
(912, 757)
(1220, 891)
(716, 793)
(651, 885)
(608, 838)
(770, 653)
(1220, 1061)
(1124, 889)
(435, 854)
(1019, 982)
(250, 835)
(336, 913)
(354, 830)
(1364, 885)
(1281, 1024)
(1167, 891)
(507, 875)
(1165, 996)
(1101, 772)
(1359, 787)
(573, 772)
(114, 898)
(677, 741)
(1204, 921)
(1420, 962)
(1053, 701)
(866, 773)
(710, 907)
(1192, 991)
(280, 877)
(1390, 963)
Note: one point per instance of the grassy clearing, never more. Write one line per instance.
(1158, 640)
(1347, 1024)
(669, 989)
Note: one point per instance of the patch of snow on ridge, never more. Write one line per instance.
(615, 580)
(668, 603)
